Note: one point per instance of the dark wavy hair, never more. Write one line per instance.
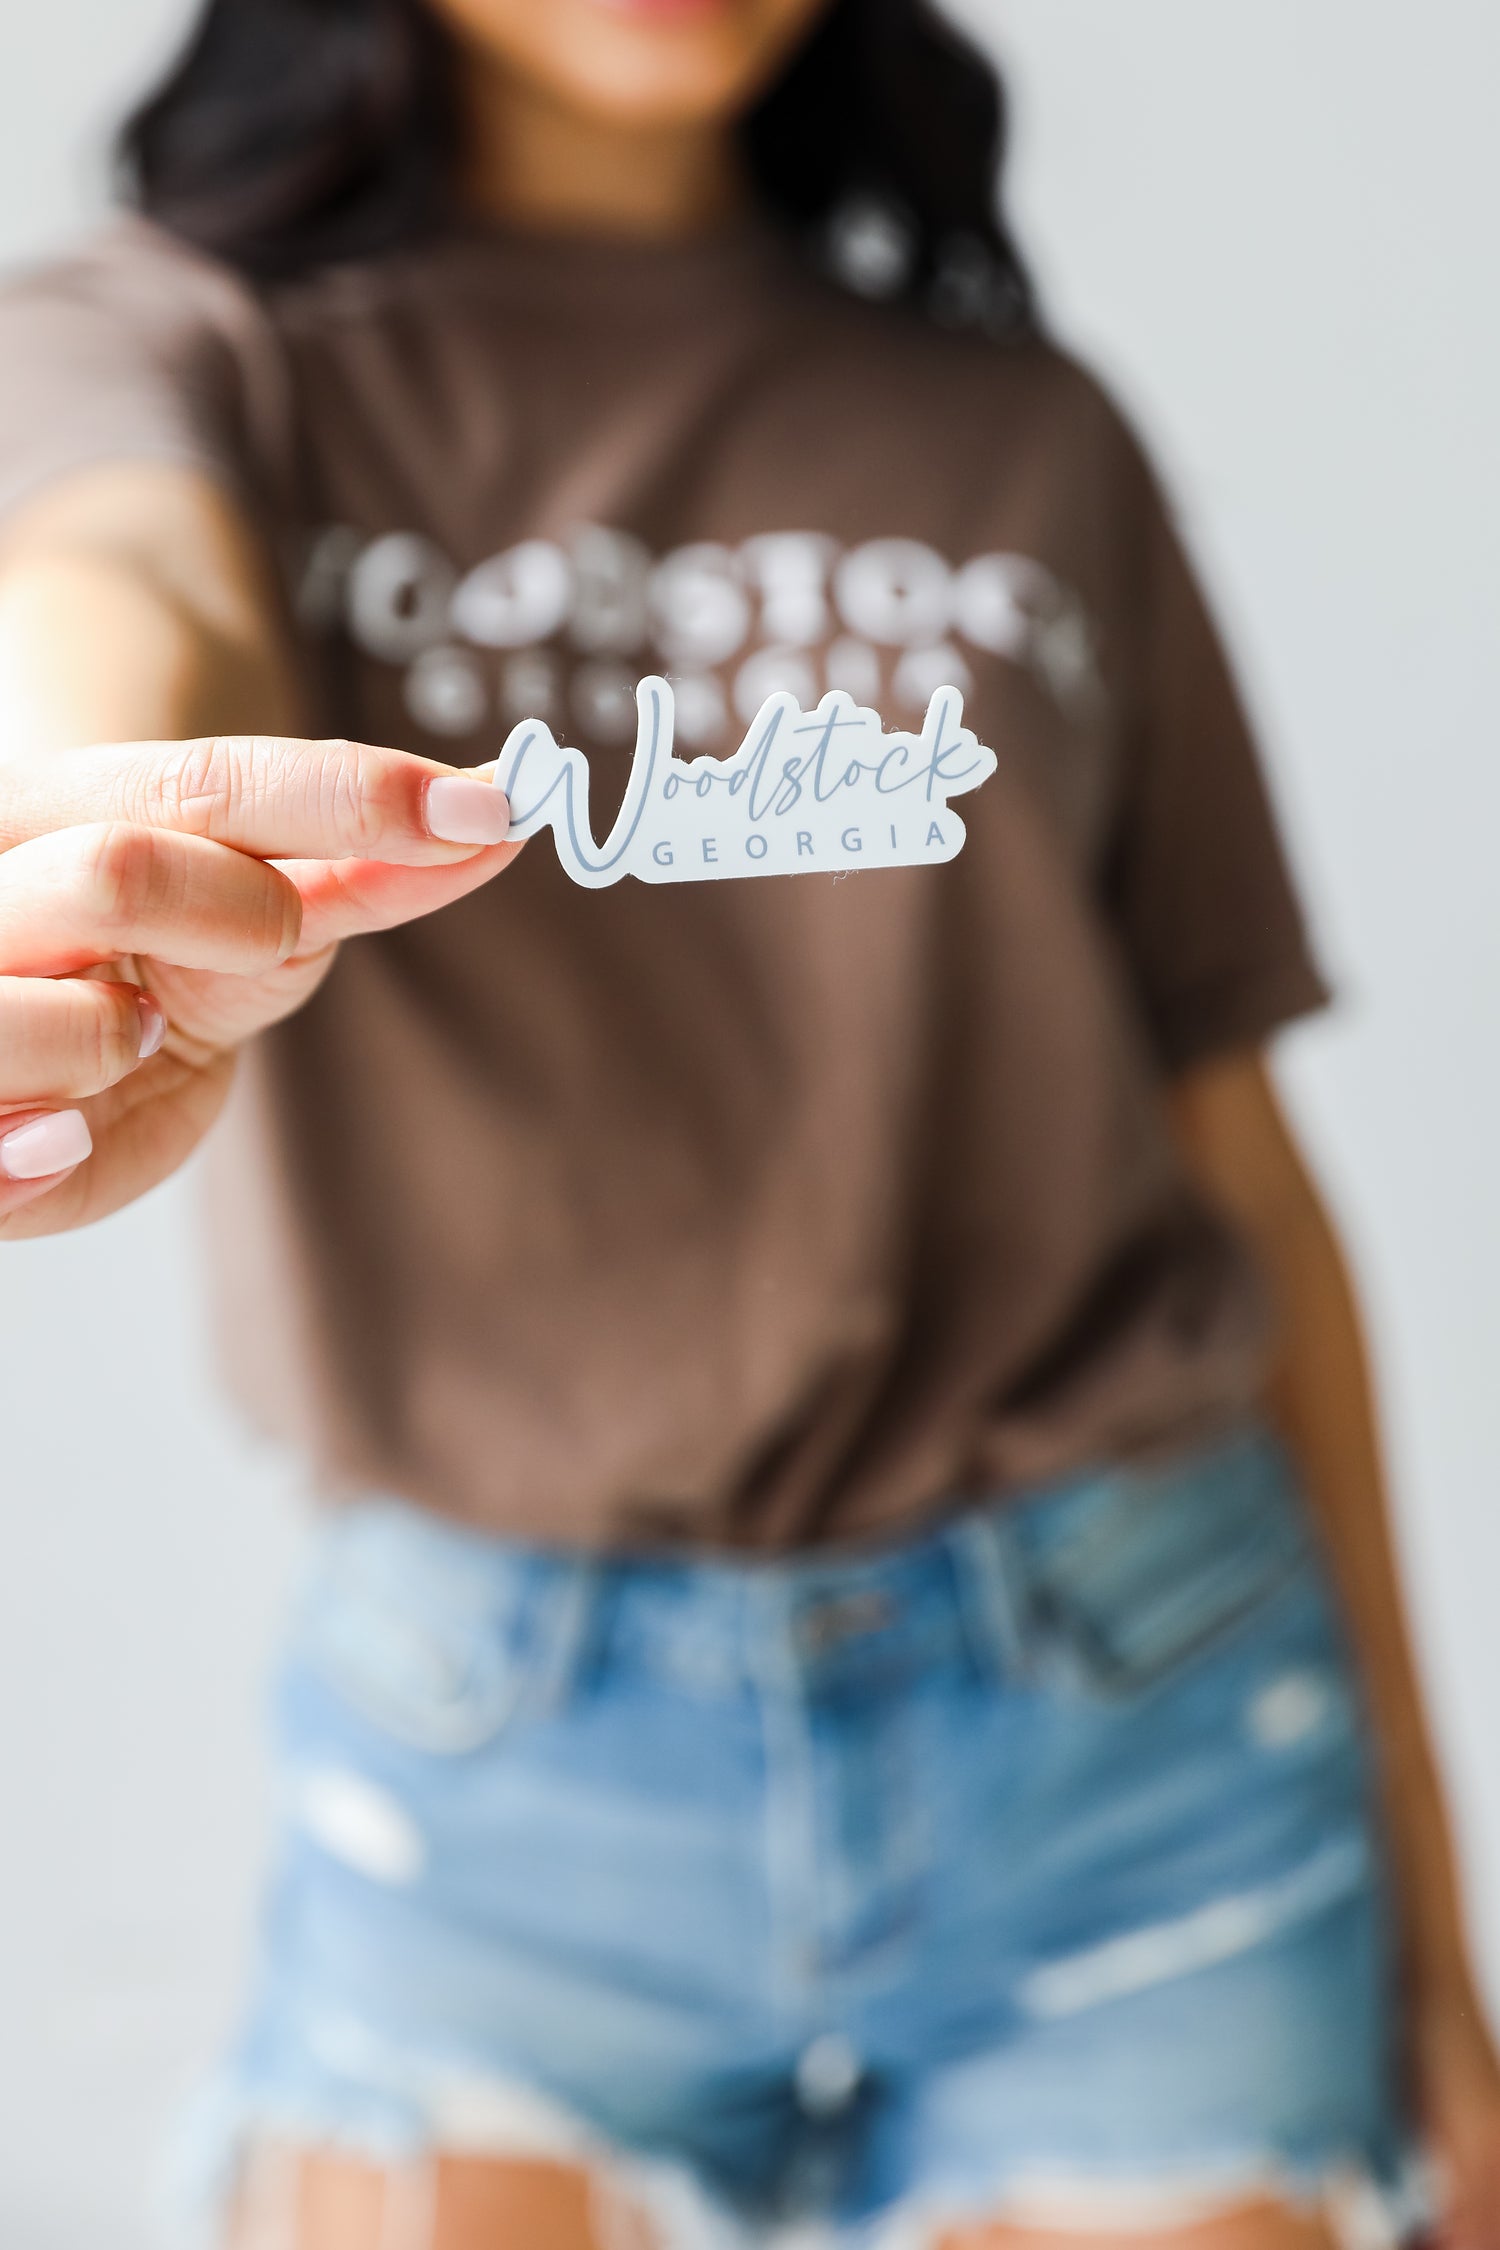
(291, 134)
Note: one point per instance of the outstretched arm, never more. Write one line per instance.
(134, 606)
(177, 865)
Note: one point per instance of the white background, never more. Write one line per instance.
(1274, 225)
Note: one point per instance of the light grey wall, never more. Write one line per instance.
(1275, 227)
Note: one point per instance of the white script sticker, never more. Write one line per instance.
(806, 792)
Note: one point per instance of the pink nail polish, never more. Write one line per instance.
(153, 1023)
(463, 811)
(47, 1144)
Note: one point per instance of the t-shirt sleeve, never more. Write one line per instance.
(1197, 877)
(126, 351)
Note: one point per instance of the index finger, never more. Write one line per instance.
(275, 796)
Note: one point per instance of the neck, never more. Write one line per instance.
(535, 164)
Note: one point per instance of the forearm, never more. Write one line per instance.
(1232, 1132)
(132, 608)
(1320, 1396)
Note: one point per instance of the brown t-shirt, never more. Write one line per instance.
(745, 1214)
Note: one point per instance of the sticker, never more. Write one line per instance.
(807, 792)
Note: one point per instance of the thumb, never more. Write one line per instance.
(344, 898)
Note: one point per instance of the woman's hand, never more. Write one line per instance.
(162, 902)
(1458, 2096)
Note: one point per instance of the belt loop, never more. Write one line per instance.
(993, 1591)
(565, 1631)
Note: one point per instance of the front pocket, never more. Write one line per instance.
(407, 1641)
(1145, 1570)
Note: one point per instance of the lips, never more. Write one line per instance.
(665, 11)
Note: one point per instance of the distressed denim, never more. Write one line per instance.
(1031, 1863)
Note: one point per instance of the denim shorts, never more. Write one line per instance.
(1027, 1867)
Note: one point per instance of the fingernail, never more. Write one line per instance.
(461, 811)
(47, 1144)
(153, 1023)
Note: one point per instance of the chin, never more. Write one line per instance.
(637, 62)
(690, 92)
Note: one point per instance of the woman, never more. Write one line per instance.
(822, 1699)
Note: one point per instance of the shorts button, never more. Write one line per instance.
(828, 2075)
